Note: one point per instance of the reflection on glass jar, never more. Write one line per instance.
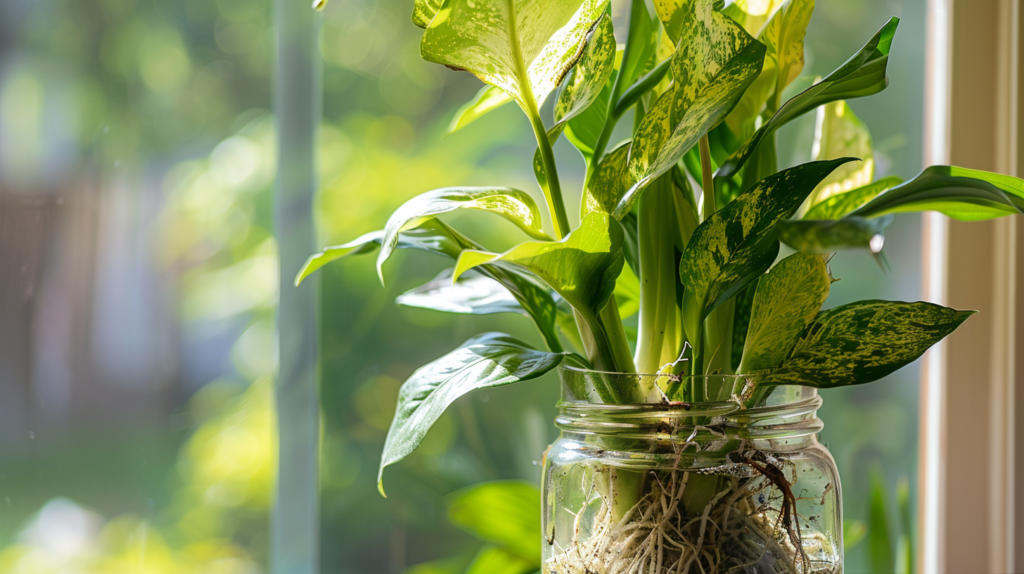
(708, 487)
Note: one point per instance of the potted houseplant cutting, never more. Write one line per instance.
(691, 447)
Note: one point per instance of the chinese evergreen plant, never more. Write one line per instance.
(683, 222)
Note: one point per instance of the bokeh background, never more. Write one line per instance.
(138, 284)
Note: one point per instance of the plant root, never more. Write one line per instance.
(749, 525)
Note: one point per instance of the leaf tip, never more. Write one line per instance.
(380, 488)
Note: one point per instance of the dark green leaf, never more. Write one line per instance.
(737, 244)
(786, 301)
(488, 360)
(960, 193)
(837, 206)
(862, 75)
(486, 100)
(524, 47)
(863, 342)
(472, 294)
(826, 236)
(504, 513)
(512, 204)
(494, 560)
(713, 64)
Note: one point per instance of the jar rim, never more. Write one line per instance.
(747, 376)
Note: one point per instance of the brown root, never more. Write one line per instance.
(749, 524)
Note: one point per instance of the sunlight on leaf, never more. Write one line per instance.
(524, 47)
(504, 513)
(840, 133)
(582, 267)
(512, 204)
(485, 101)
(472, 294)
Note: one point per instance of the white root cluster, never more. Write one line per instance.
(735, 534)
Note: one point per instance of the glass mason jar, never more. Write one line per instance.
(709, 487)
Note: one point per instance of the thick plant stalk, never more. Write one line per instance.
(659, 334)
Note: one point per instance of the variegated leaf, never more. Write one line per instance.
(960, 193)
(840, 133)
(714, 63)
(584, 86)
(734, 246)
(586, 80)
(862, 75)
(582, 267)
(486, 100)
(863, 342)
(839, 205)
(423, 11)
(787, 299)
(485, 361)
(524, 47)
(512, 204)
(608, 183)
(827, 236)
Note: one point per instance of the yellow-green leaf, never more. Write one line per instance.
(486, 100)
(423, 11)
(787, 299)
(784, 38)
(752, 14)
(431, 235)
(512, 204)
(582, 267)
(494, 560)
(840, 133)
(608, 183)
(863, 342)
(839, 205)
(505, 513)
(524, 47)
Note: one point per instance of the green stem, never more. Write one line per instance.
(552, 189)
(708, 177)
(659, 334)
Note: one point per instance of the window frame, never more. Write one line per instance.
(970, 444)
